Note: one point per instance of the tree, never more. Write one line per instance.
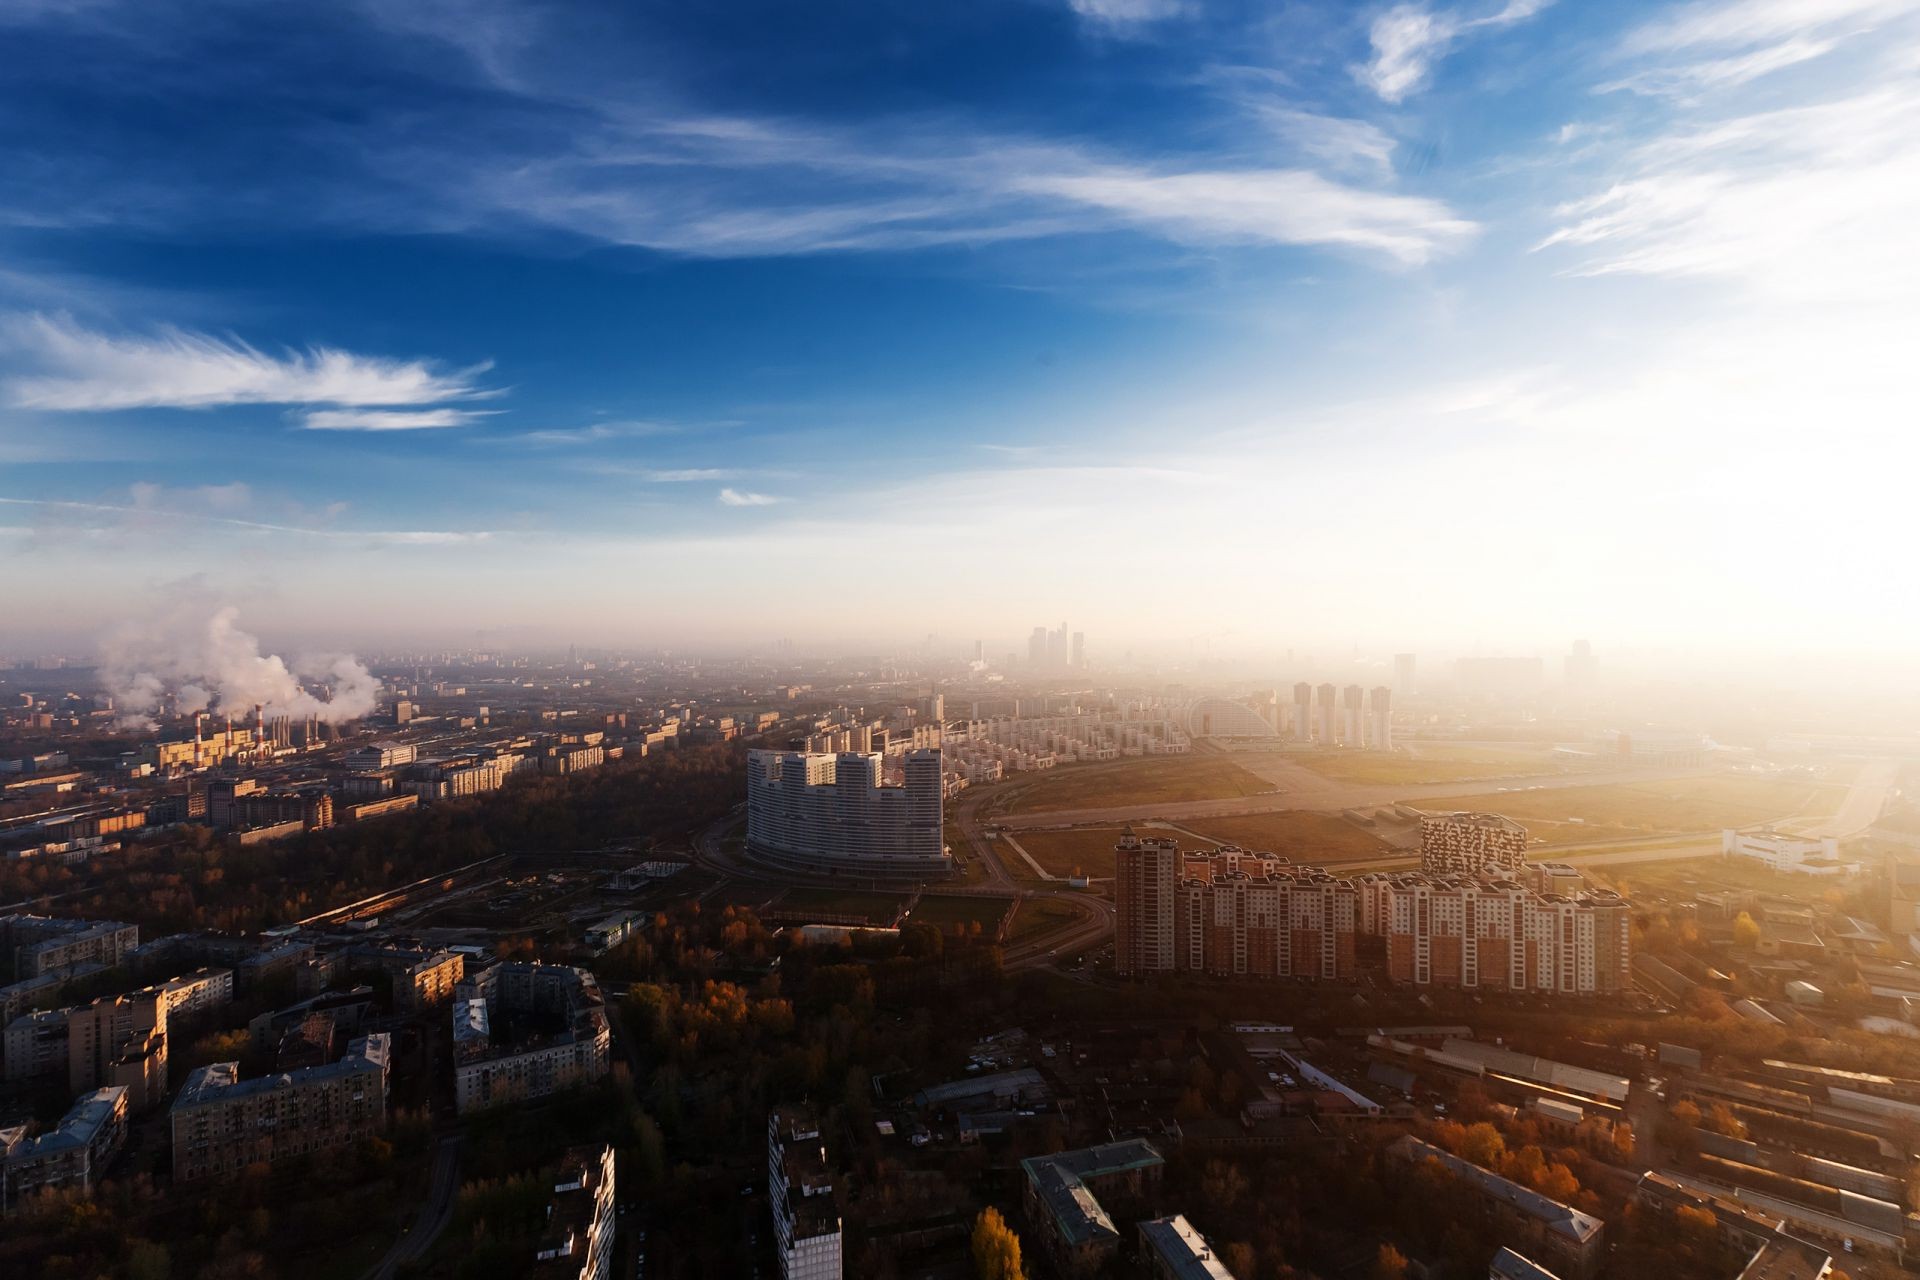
(1746, 931)
(996, 1249)
(1483, 1145)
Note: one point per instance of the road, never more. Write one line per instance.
(1865, 799)
(433, 1216)
(1312, 792)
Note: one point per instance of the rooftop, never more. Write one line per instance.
(1060, 1180)
(1186, 1252)
(1563, 1220)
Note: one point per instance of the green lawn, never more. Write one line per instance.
(1312, 838)
(1424, 762)
(877, 908)
(1038, 915)
(945, 912)
(1060, 853)
(1675, 805)
(1148, 780)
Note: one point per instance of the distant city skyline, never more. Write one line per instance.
(1437, 326)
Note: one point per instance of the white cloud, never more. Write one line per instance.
(389, 419)
(1817, 201)
(1409, 38)
(1747, 23)
(745, 498)
(81, 369)
(682, 475)
(1268, 207)
(1336, 141)
(1720, 44)
(153, 506)
(1126, 13)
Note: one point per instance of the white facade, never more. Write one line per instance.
(835, 812)
(1794, 855)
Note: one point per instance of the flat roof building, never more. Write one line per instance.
(1064, 1194)
(70, 1157)
(1173, 1250)
(806, 1217)
(222, 1124)
(837, 813)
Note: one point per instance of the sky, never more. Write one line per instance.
(1473, 326)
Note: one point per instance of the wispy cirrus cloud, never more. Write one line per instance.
(76, 368)
(1126, 15)
(746, 498)
(1720, 44)
(1288, 206)
(1811, 202)
(153, 506)
(633, 167)
(390, 419)
(1409, 39)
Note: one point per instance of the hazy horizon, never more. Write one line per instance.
(1455, 328)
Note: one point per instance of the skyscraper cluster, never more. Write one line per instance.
(1057, 649)
(1349, 717)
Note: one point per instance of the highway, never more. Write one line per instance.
(1865, 799)
(433, 1216)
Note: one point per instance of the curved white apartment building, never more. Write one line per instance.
(835, 813)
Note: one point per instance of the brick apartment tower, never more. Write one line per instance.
(1146, 876)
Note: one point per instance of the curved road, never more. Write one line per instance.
(433, 1216)
(1092, 916)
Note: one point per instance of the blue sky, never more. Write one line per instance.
(643, 322)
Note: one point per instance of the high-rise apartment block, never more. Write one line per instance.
(1496, 934)
(1353, 716)
(1326, 728)
(1473, 843)
(806, 1220)
(1235, 913)
(1403, 673)
(1380, 710)
(835, 812)
(1303, 711)
(1146, 875)
(1231, 913)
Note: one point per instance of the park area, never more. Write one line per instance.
(1147, 780)
(1622, 811)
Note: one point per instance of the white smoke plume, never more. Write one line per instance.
(209, 664)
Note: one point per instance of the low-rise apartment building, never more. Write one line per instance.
(487, 1074)
(222, 1124)
(72, 1156)
(1070, 1197)
(1565, 1239)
